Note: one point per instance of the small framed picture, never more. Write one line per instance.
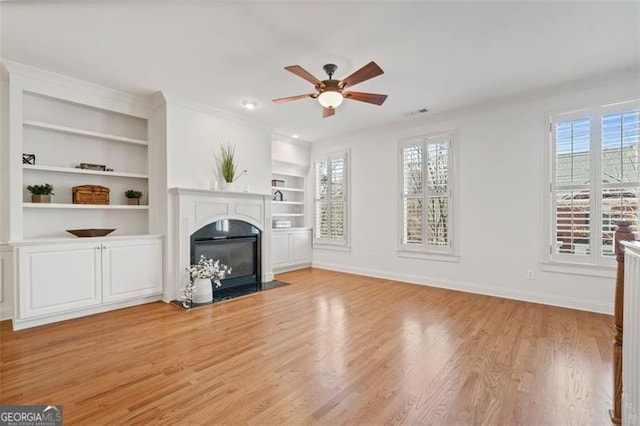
(29, 159)
(98, 167)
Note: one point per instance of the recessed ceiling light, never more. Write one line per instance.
(295, 136)
(249, 104)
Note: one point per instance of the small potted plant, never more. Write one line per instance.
(133, 197)
(227, 165)
(200, 289)
(41, 193)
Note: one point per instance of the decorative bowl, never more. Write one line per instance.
(90, 232)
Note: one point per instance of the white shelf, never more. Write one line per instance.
(83, 206)
(81, 132)
(283, 188)
(291, 228)
(83, 171)
(292, 203)
(287, 214)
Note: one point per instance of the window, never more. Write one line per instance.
(331, 206)
(595, 178)
(426, 194)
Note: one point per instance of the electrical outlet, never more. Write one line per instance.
(530, 274)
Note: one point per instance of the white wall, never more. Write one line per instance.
(194, 139)
(194, 134)
(500, 214)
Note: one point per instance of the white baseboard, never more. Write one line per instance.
(36, 321)
(290, 268)
(523, 295)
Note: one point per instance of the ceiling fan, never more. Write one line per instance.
(331, 92)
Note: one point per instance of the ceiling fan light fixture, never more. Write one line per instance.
(330, 99)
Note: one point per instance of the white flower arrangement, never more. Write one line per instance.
(206, 269)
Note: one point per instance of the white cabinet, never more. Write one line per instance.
(131, 269)
(58, 277)
(290, 249)
(64, 280)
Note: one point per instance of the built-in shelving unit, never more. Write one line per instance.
(69, 133)
(63, 132)
(290, 211)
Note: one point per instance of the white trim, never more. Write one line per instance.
(173, 99)
(440, 257)
(326, 243)
(489, 290)
(594, 264)
(333, 247)
(420, 250)
(579, 269)
(48, 319)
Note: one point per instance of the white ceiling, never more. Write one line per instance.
(435, 55)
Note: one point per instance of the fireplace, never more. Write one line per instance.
(224, 223)
(236, 244)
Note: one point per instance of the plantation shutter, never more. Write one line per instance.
(572, 197)
(426, 194)
(337, 199)
(437, 191)
(331, 200)
(412, 194)
(620, 175)
(321, 198)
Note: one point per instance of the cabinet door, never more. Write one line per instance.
(280, 249)
(131, 269)
(54, 278)
(301, 246)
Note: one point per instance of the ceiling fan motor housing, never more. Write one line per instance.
(330, 69)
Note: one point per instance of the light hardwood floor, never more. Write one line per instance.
(331, 348)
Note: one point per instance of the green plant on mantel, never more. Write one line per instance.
(226, 162)
(132, 193)
(46, 189)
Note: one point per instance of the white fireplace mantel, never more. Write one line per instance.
(195, 208)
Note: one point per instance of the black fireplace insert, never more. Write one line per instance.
(236, 244)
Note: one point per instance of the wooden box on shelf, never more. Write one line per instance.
(90, 194)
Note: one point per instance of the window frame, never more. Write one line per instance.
(424, 250)
(329, 243)
(593, 264)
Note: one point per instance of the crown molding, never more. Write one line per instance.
(50, 77)
(174, 99)
(619, 76)
(279, 137)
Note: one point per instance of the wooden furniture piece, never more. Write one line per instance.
(623, 233)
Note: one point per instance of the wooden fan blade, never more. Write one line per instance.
(295, 98)
(328, 112)
(371, 98)
(301, 72)
(365, 73)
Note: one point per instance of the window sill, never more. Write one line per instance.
(579, 269)
(331, 247)
(441, 257)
